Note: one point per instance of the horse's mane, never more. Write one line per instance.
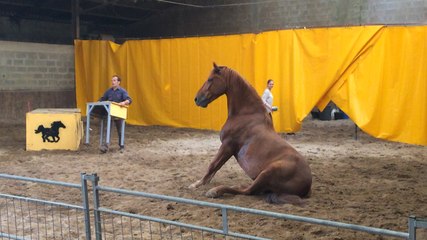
(247, 95)
(239, 82)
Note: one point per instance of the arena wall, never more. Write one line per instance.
(231, 19)
(273, 15)
(42, 76)
(34, 75)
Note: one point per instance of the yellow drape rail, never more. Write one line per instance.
(376, 74)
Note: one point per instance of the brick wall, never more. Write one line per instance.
(34, 75)
(34, 66)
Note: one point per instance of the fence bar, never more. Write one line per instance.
(10, 236)
(361, 228)
(40, 181)
(85, 200)
(33, 200)
(186, 225)
(420, 223)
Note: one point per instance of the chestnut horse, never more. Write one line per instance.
(277, 169)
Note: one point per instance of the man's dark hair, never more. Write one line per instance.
(118, 78)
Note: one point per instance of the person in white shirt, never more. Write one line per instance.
(267, 97)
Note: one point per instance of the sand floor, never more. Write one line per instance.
(366, 181)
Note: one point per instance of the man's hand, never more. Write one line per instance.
(124, 103)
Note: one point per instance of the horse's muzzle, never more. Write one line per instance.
(201, 101)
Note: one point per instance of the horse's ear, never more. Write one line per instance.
(216, 68)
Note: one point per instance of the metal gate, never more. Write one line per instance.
(29, 218)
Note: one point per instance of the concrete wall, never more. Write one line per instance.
(280, 15)
(192, 21)
(34, 75)
(35, 31)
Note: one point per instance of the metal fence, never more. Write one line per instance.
(29, 218)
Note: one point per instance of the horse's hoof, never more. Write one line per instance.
(194, 185)
(211, 194)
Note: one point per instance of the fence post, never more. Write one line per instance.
(85, 205)
(224, 220)
(412, 228)
(95, 179)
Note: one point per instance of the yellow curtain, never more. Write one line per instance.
(376, 74)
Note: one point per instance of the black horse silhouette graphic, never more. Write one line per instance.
(52, 132)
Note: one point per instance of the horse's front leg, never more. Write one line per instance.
(224, 153)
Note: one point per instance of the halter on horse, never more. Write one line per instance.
(248, 134)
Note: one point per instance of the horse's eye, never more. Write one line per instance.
(210, 79)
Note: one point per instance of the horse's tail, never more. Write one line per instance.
(39, 129)
(281, 198)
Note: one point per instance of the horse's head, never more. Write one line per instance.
(58, 124)
(214, 87)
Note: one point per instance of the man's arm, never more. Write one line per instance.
(105, 96)
(127, 100)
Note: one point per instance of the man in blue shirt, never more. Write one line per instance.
(119, 95)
